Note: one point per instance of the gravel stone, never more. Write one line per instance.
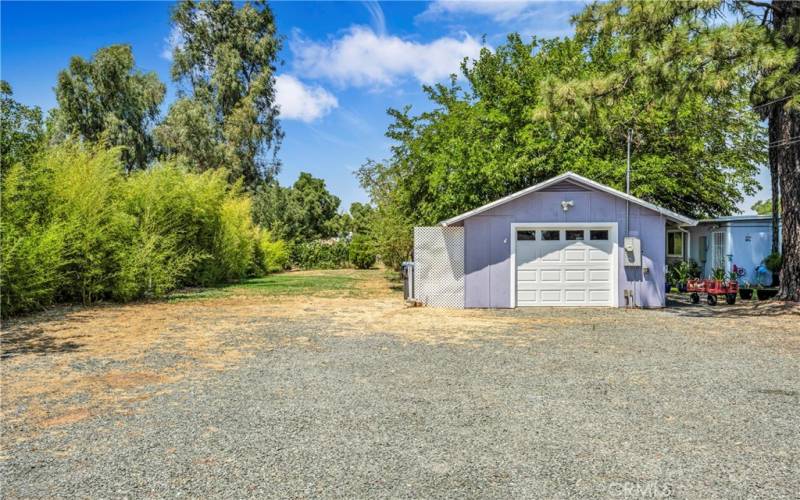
(600, 403)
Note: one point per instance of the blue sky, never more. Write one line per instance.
(344, 63)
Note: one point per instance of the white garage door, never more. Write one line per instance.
(565, 267)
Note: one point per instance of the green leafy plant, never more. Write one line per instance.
(270, 255)
(718, 273)
(75, 229)
(773, 262)
(361, 252)
(320, 254)
(679, 273)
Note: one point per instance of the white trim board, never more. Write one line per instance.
(571, 176)
(614, 235)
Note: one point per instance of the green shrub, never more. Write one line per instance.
(270, 255)
(74, 228)
(361, 252)
(319, 255)
(233, 250)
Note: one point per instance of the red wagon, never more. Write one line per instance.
(713, 289)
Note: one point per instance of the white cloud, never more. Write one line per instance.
(363, 58)
(499, 11)
(377, 17)
(299, 101)
(173, 41)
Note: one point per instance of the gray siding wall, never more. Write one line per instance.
(488, 251)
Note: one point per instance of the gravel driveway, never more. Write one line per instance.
(363, 398)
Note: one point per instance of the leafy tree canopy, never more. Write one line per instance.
(21, 129)
(763, 207)
(502, 133)
(226, 57)
(107, 99)
(721, 49)
(305, 211)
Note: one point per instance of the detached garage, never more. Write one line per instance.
(568, 241)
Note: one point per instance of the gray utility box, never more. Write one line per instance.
(407, 270)
(632, 251)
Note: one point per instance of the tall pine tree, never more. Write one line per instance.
(717, 48)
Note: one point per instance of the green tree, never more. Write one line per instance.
(21, 130)
(361, 252)
(107, 99)
(763, 207)
(306, 211)
(700, 47)
(361, 215)
(501, 133)
(226, 57)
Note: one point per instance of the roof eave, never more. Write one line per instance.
(675, 217)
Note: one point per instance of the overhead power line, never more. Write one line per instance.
(773, 102)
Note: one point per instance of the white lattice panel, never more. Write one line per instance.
(439, 266)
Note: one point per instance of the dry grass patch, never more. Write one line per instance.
(70, 364)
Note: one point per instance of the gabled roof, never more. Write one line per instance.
(571, 176)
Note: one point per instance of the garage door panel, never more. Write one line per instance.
(551, 256)
(600, 296)
(550, 296)
(575, 295)
(551, 275)
(575, 275)
(574, 255)
(597, 255)
(564, 272)
(527, 252)
(528, 297)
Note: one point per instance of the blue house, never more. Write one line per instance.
(743, 241)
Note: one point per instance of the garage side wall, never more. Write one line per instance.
(488, 246)
(439, 266)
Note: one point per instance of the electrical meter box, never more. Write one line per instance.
(632, 251)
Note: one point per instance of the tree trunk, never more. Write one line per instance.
(774, 120)
(790, 209)
(785, 16)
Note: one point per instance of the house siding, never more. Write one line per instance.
(738, 250)
(488, 250)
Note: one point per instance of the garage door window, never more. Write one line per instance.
(598, 235)
(526, 235)
(551, 235)
(575, 235)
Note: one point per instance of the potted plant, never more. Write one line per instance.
(745, 291)
(773, 263)
(718, 274)
(767, 293)
(679, 274)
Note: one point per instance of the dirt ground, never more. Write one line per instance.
(73, 364)
(46, 384)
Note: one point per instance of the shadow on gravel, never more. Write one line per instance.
(33, 341)
(681, 305)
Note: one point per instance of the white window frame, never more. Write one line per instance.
(532, 226)
(683, 241)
